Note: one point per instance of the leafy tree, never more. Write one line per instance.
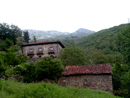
(72, 55)
(48, 68)
(26, 36)
(2, 67)
(11, 57)
(125, 84)
(124, 38)
(34, 38)
(9, 31)
(20, 41)
(27, 70)
(117, 70)
(4, 45)
(98, 57)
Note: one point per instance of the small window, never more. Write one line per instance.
(40, 49)
(51, 48)
(30, 50)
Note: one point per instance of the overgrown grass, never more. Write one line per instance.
(13, 89)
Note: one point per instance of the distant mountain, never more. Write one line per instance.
(39, 34)
(44, 35)
(82, 32)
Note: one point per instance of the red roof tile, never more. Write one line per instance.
(39, 42)
(88, 69)
(43, 42)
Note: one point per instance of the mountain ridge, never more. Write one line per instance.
(41, 34)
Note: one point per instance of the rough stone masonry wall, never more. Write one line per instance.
(99, 82)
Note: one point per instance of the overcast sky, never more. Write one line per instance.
(64, 15)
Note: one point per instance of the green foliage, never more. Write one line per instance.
(106, 40)
(117, 70)
(124, 38)
(26, 36)
(27, 70)
(47, 68)
(121, 80)
(12, 89)
(13, 59)
(72, 55)
(98, 57)
(2, 67)
(125, 83)
(20, 41)
(34, 39)
(4, 45)
(9, 31)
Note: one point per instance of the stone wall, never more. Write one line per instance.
(45, 47)
(98, 82)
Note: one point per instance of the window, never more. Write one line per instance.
(31, 50)
(51, 48)
(40, 49)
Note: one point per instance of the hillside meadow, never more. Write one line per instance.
(13, 89)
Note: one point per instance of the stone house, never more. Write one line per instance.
(40, 49)
(97, 77)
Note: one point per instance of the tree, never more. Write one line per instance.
(48, 68)
(4, 45)
(124, 39)
(72, 55)
(9, 31)
(26, 36)
(98, 57)
(117, 70)
(34, 38)
(20, 41)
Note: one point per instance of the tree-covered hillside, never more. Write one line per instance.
(106, 40)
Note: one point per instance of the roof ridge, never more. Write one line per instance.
(88, 69)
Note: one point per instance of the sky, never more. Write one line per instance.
(64, 15)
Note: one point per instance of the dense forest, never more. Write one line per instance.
(106, 46)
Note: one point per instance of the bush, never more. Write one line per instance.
(72, 55)
(47, 68)
(2, 67)
(27, 70)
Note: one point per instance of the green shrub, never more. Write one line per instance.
(27, 70)
(2, 67)
(48, 68)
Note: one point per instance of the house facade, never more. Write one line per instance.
(97, 77)
(40, 49)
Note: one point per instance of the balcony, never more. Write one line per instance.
(30, 53)
(51, 51)
(40, 52)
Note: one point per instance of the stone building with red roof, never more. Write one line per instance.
(88, 76)
(38, 50)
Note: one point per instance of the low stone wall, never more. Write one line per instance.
(98, 82)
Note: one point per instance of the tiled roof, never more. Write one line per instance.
(44, 42)
(39, 42)
(88, 69)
